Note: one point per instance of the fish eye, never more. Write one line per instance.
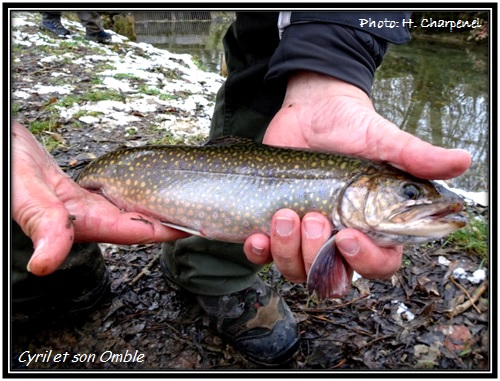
(411, 191)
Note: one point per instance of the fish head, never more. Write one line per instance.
(397, 208)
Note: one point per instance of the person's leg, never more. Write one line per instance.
(94, 30)
(247, 312)
(51, 21)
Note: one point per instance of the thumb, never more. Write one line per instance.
(52, 236)
(365, 257)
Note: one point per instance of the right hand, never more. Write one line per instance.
(54, 211)
(326, 114)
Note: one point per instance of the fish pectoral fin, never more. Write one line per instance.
(184, 229)
(330, 276)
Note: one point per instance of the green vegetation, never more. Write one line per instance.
(101, 95)
(167, 97)
(124, 25)
(148, 90)
(44, 131)
(131, 130)
(68, 100)
(405, 262)
(167, 72)
(121, 76)
(102, 66)
(69, 45)
(39, 126)
(91, 95)
(167, 139)
(82, 112)
(472, 239)
(96, 81)
(199, 64)
(15, 108)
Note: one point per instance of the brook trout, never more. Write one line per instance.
(230, 189)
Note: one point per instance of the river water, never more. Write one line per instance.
(436, 91)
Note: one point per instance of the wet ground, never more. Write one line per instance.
(420, 319)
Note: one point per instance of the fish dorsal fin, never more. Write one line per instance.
(230, 140)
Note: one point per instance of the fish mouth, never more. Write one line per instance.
(432, 212)
(430, 219)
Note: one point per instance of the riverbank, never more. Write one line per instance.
(82, 99)
(126, 89)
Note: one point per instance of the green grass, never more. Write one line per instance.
(96, 81)
(167, 139)
(103, 66)
(126, 76)
(39, 126)
(131, 130)
(68, 101)
(101, 95)
(472, 238)
(148, 90)
(43, 129)
(167, 97)
(69, 45)
(198, 64)
(14, 108)
(81, 113)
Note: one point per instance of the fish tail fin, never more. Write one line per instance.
(330, 276)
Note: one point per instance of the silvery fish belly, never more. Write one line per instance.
(230, 189)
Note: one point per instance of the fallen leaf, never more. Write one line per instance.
(458, 337)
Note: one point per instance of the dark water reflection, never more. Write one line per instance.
(439, 93)
(435, 91)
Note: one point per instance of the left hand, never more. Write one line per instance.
(327, 114)
(54, 211)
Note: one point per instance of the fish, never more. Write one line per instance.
(231, 187)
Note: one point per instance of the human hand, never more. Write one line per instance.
(324, 113)
(55, 212)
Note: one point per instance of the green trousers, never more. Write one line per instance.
(245, 105)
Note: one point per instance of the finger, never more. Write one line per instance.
(316, 229)
(44, 218)
(285, 245)
(256, 248)
(52, 237)
(366, 258)
(420, 158)
(97, 220)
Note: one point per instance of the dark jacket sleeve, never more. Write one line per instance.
(337, 44)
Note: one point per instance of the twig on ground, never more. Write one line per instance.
(145, 270)
(472, 299)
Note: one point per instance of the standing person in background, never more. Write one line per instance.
(94, 31)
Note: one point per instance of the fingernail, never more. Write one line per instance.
(257, 250)
(37, 252)
(284, 226)
(348, 246)
(314, 228)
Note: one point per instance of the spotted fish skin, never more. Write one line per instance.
(230, 190)
(223, 191)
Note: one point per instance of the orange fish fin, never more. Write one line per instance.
(330, 276)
